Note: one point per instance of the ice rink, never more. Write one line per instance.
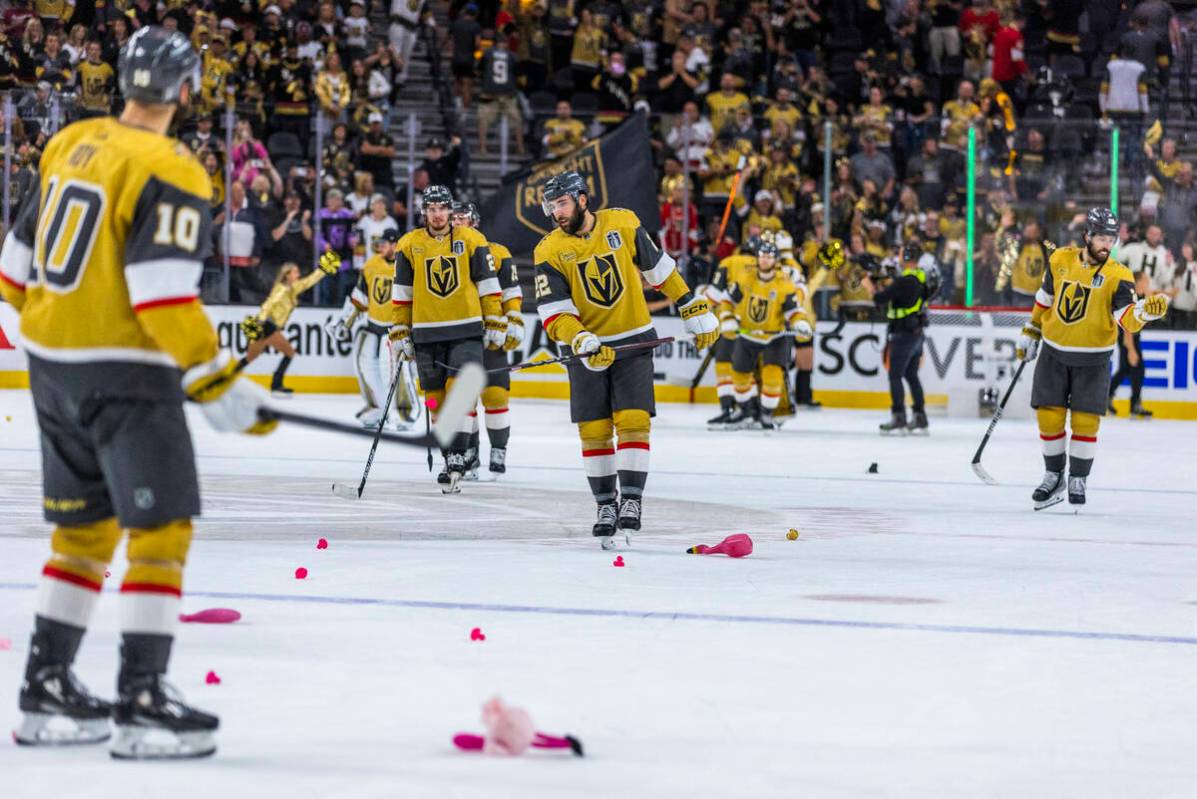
(926, 636)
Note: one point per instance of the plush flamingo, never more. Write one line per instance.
(509, 732)
(734, 546)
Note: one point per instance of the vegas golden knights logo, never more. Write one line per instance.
(601, 280)
(380, 292)
(1073, 302)
(442, 275)
(758, 309)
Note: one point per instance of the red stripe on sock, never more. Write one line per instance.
(1090, 439)
(150, 588)
(145, 306)
(10, 281)
(633, 445)
(1052, 438)
(73, 579)
(496, 410)
(594, 453)
(473, 413)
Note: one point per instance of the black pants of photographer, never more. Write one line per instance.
(905, 350)
(1135, 373)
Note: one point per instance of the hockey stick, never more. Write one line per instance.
(639, 345)
(731, 196)
(345, 491)
(428, 432)
(702, 370)
(997, 415)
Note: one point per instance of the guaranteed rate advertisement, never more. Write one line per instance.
(959, 361)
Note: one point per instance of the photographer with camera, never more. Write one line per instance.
(904, 295)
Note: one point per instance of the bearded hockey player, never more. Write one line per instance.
(372, 359)
(496, 395)
(1085, 298)
(447, 309)
(588, 296)
(767, 308)
(103, 264)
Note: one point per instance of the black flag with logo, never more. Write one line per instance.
(618, 168)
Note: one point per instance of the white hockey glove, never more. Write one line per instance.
(229, 403)
(515, 331)
(700, 322)
(1151, 308)
(337, 330)
(729, 325)
(401, 344)
(1028, 343)
(494, 332)
(588, 343)
(803, 331)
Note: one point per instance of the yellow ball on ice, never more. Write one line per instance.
(792, 535)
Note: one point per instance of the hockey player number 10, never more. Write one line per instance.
(66, 232)
(178, 226)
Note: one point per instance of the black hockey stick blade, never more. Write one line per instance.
(985, 476)
(329, 426)
(346, 492)
(638, 345)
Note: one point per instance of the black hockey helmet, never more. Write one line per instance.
(752, 246)
(767, 248)
(912, 251)
(570, 183)
(390, 235)
(468, 209)
(1101, 222)
(438, 195)
(154, 64)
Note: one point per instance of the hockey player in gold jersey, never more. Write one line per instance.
(766, 305)
(447, 308)
(495, 396)
(103, 264)
(372, 358)
(588, 295)
(728, 271)
(265, 328)
(1084, 299)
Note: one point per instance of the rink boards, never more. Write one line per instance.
(964, 354)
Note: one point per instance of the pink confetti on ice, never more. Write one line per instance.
(211, 616)
(301, 573)
(477, 635)
(5, 644)
(212, 679)
(322, 543)
(618, 562)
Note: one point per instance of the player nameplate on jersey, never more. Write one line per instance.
(1073, 302)
(601, 280)
(381, 290)
(614, 240)
(758, 309)
(442, 275)
(458, 247)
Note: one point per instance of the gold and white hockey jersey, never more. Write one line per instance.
(594, 279)
(766, 309)
(444, 285)
(372, 294)
(105, 256)
(509, 278)
(1080, 307)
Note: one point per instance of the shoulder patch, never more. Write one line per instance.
(620, 217)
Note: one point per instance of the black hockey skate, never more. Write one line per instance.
(153, 723)
(59, 711)
(1139, 412)
(895, 426)
(743, 417)
(1050, 491)
(498, 460)
(918, 424)
(764, 421)
(279, 391)
(726, 408)
(1076, 490)
(455, 467)
(471, 465)
(608, 521)
(629, 514)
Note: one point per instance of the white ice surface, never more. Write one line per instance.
(927, 635)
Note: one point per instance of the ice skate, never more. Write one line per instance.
(1050, 491)
(1076, 490)
(918, 424)
(153, 723)
(498, 460)
(1137, 411)
(279, 391)
(895, 426)
(455, 466)
(726, 407)
(59, 711)
(604, 527)
(471, 465)
(629, 517)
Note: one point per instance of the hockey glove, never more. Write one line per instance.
(587, 343)
(700, 322)
(329, 263)
(1151, 308)
(229, 403)
(337, 330)
(728, 325)
(803, 331)
(1028, 343)
(252, 328)
(515, 331)
(401, 344)
(494, 332)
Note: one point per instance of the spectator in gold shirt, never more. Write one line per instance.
(563, 133)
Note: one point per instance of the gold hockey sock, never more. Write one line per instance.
(631, 455)
(1051, 434)
(1083, 447)
(598, 458)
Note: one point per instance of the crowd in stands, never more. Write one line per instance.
(750, 87)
